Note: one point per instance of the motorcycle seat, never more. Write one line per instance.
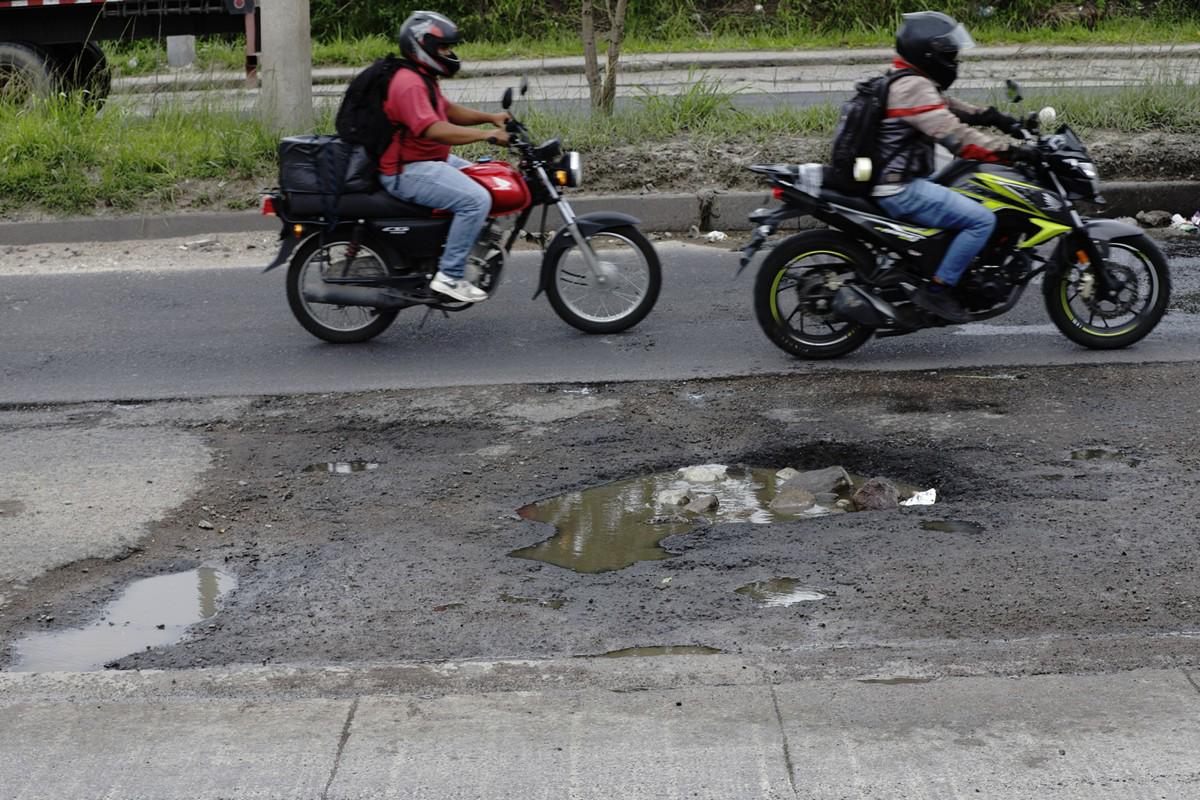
(862, 204)
(376, 205)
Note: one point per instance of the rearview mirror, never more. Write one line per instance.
(1014, 91)
(506, 102)
(524, 85)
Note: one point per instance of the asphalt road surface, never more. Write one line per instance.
(228, 331)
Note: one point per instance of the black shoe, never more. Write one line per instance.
(941, 304)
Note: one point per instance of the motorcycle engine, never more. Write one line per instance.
(985, 287)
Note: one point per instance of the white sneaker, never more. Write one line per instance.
(458, 288)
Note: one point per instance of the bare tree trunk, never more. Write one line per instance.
(591, 64)
(616, 33)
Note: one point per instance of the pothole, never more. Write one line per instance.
(613, 526)
(780, 592)
(154, 612)
(663, 650)
(342, 467)
(1101, 454)
(952, 526)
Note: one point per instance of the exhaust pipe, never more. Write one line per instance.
(337, 294)
(856, 305)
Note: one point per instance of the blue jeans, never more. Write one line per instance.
(928, 203)
(441, 184)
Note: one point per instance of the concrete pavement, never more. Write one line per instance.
(720, 727)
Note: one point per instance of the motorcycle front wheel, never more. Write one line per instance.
(793, 295)
(1140, 272)
(338, 258)
(617, 298)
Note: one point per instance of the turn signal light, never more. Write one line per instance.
(777, 192)
(298, 230)
(1083, 257)
(268, 206)
(560, 177)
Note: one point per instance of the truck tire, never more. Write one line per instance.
(25, 72)
(83, 68)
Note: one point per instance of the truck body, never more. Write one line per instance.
(50, 45)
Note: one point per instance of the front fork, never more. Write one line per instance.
(571, 221)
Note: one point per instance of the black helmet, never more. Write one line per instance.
(930, 41)
(420, 37)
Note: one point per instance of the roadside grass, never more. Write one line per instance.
(65, 157)
(145, 56)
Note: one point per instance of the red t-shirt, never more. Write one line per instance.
(407, 104)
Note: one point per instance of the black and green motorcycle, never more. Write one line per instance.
(824, 292)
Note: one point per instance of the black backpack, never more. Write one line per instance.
(361, 119)
(857, 132)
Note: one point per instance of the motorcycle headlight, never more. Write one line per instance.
(569, 171)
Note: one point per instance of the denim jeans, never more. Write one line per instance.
(931, 204)
(441, 184)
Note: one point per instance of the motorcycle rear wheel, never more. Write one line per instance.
(1110, 325)
(793, 295)
(334, 323)
(628, 292)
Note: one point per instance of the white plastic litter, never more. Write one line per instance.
(925, 498)
(812, 175)
(1180, 223)
(704, 473)
(715, 236)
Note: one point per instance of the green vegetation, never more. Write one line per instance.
(64, 157)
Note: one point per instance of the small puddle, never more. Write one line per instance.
(553, 602)
(952, 526)
(154, 612)
(1100, 454)
(664, 650)
(342, 467)
(614, 526)
(779, 593)
(11, 508)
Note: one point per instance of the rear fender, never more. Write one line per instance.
(589, 225)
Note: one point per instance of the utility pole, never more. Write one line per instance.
(285, 99)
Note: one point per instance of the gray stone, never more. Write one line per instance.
(668, 519)
(826, 498)
(205, 524)
(673, 497)
(817, 481)
(792, 500)
(1154, 219)
(703, 503)
(877, 494)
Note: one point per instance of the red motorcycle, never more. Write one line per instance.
(358, 256)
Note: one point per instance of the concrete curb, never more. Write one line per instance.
(649, 62)
(707, 210)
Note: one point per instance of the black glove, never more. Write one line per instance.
(999, 120)
(1023, 152)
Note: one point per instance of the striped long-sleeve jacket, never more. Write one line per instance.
(918, 116)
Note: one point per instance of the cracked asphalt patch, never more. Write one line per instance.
(1076, 565)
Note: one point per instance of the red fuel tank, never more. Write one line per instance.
(504, 182)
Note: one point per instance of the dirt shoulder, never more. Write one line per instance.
(690, 163)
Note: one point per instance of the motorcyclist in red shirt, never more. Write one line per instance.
(418, 167)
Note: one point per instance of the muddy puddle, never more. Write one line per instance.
(616, 525)
(780, 593)
(342, 467)
(154, 612)
(662, 650)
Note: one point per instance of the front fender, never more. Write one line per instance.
(1105, 230)
(589, 225)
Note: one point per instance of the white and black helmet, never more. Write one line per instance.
(423, 34)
